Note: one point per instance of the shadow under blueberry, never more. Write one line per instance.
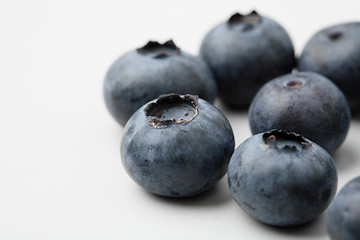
(231, 109)
(215, 196)
(355, 116)
(344, 158)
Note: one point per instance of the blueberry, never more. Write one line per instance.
(306, 103)
(282, 179)
(244, 53)
(177, 146)
(343, 217)
(144, 74)
(335, 53)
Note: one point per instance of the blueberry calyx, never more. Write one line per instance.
(158, 50)
(280, 139)
(172, 109)
(293, 83)
(250, 19)
(335, 36)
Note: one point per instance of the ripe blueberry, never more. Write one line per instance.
(281, 178)
(306, 103)
(335, 53)
(245, 52)
(343, 217)
(177, 146)
(144, 74)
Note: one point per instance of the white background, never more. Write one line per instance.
(61, 175)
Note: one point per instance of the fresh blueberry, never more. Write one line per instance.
(146, 73)
(306, 103)
(282, 179)
(343, 217)
(177, 146)
(244, 53)
(335, 53)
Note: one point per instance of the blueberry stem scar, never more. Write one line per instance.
(280, 139)
(335, 36)
(294, 83)
(172, 109)
(252, 17)
(159, 50)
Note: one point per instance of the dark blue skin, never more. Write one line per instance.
(282, 179)
(343, 217)
(244, 53)
(177, 146)
(335, 53)
(306, 103)
(144, 74)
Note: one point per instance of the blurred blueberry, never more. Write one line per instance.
(343, 217)
(177, 146)
(306, 103)
(245, 52)
(282, 179)
(335, 53)
(146, 73)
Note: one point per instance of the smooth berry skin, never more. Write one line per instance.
(244, 53)
(146, 73)
(282, 179)
(303, 102)
(335, 53)
(177, 158)
(343, 216)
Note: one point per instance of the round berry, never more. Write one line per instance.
(281, 178)
(245, 52)
(335, 53)
(177, 146)
(146, 73)
(306, 103)
(343, 217)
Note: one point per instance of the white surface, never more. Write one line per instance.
(60, 171)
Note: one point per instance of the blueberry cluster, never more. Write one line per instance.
(177, 144)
